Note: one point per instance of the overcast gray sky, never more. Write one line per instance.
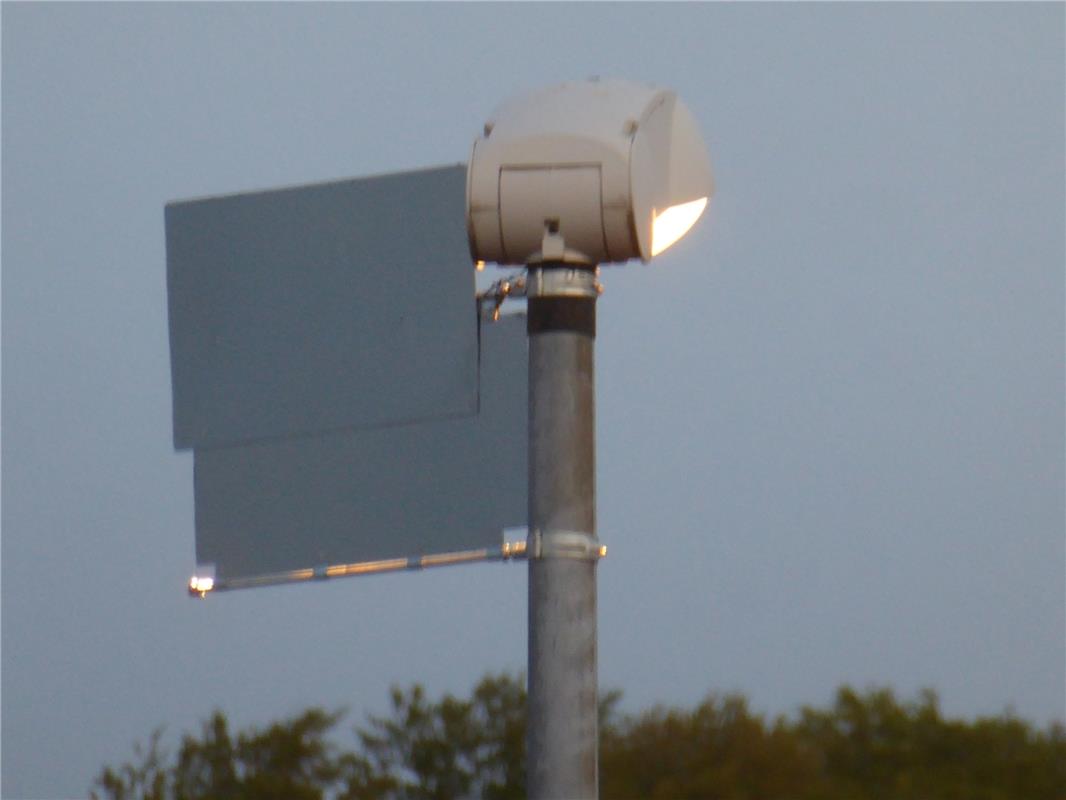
(830, 421)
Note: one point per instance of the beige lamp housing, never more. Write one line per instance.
(586, 172)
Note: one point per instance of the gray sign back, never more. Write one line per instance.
(324, 307)
(363, 495)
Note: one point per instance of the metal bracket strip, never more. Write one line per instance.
(200, 587)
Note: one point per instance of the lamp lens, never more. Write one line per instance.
(672, 223)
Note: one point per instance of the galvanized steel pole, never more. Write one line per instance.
(562, 738)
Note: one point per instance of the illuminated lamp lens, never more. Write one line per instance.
(673, 223)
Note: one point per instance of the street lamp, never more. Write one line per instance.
(564, 179)
(561, 181)
(615, 170)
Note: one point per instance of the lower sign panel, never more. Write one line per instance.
(367, 495)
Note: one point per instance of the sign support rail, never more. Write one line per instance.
(199, 586)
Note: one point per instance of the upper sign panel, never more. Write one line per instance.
(338, 305)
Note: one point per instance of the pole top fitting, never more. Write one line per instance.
(563, 280)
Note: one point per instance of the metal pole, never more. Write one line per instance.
(562, 739)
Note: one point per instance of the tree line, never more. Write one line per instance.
(866, 745)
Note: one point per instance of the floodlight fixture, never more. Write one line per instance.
(560, 181)
(588, 172)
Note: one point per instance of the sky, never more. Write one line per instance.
(830, 420)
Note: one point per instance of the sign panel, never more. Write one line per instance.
(338, 305)
(364, 495)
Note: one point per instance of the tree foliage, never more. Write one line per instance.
(451, 749)
(289, 760)
(865, 746)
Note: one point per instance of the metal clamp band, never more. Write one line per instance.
(564, 544)
(562, 281)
